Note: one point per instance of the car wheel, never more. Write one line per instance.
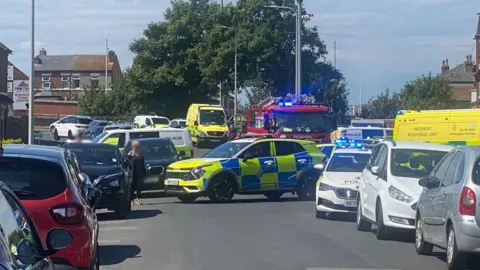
(306, 190)
(55, 135)
(455, 259)
(382, 230)
(52, 129)
(360, 222)
(187, 198)
(70, 135)
(221, 189)
(422, 247)
(320, 214)
(273, 195)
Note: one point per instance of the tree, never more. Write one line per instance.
(384, 106)
(182, 59)
(95, 101)
(426, 93)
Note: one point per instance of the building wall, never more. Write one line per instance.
(85, 79)
(462, 91)
(3, 70)
(52, 107)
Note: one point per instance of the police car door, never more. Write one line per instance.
(259, 172)
(289, 163)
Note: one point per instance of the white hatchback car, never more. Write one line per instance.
(70, 126)
(389, 188)
(337, 188)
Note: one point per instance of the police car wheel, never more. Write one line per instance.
(273, 195)
(187, 199)
(306, 190)
(221, 189)
(320, 214)
(382, 230)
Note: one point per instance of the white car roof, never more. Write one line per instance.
(245, 140)
(352, 150)
(420, 145)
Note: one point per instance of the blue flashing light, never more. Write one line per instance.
(346, 144)
(288, 104)
(399, 112)
(280, 104)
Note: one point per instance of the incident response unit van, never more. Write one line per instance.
(119, 137)
(362, 133)
(151, 121)
(207, 124)
(457, 127)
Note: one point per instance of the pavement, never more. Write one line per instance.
(249, 233)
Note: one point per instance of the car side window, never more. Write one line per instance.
(17, 229)
(441, 170)
(452, 170)
(68, 120)
(374, 156)
(284, 148)
(258, 150)
(148, 121)
(117, 139)
(142, 135)
(382, 161)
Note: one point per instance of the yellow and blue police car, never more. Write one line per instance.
(248, 166)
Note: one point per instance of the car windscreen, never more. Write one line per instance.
(182, 123)
(98, 131)
(226, 150)
(327, 150)
(95, 154)
(414, 163)
(99, 137)
(84, 121)
(160, 121)
(348, 162)
(32, 179)
(157, 149)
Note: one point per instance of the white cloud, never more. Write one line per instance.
(379, 43)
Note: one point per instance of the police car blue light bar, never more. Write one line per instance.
(349, 144)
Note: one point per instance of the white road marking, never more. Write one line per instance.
(327, 268)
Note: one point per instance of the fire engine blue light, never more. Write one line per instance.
(288, 103)
(280, 104)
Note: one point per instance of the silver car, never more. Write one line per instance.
(447, 212)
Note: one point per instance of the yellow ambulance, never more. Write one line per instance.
(207, 124)
(457, 127)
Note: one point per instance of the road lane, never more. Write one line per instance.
(251, 233)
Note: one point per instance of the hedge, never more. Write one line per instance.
(12, 141)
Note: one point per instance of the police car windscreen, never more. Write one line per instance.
(226, 150)
(414, 163)
(98, 137)
(348, 162)
(160, 121)
(212, 117)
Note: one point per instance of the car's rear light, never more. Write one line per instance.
(67, 213)
(467, 203)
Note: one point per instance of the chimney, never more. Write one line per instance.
(469, 66)
(445, 67)
(43, 52)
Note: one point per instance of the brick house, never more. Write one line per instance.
(4, 53)
(62, 77)
(464, 78)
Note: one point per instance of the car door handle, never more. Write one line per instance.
(268, 162)
(302, 160)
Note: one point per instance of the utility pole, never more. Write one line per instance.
(106, 64)
(235, 88)
(298, 86)
(360, 97)
(31, 83)
(221, 90)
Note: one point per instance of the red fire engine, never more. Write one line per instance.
(286, 118)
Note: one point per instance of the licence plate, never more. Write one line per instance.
(351, 203)
(172, 182)
(214, 140)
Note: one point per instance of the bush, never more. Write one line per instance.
(12, 141)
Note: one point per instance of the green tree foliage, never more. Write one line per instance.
(182, 59)
(423, 93)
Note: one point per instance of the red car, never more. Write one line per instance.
(50, 184)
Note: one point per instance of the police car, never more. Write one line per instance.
(248, 166)
(337, 188)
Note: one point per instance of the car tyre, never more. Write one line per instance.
(187, 199)
(306, 188)
(52, 129)
(273, 195)
(221, 189)
(455, 259)
(382, 230)
(360, 222)
(422, 247)
(320, 214)
(55, 135)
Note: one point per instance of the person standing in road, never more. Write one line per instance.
(137, 164)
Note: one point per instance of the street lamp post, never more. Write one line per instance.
(31, 83)
(235, 97)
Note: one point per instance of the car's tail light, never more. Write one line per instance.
(468, 201)
(68, 213)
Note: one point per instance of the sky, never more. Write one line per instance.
(380, 43)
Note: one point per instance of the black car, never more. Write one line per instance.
(108, 171)
(20, 244)
(94, 126)
(159, 153)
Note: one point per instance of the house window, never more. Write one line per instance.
(94, 80)
(76, 82)
(45, 85)
(45, 79)
(65, 82)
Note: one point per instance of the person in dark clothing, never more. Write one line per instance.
(232, 133)
(137, 164)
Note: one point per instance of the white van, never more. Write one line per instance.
(151, 121)
(119, 137)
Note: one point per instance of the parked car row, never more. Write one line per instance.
(429, 189)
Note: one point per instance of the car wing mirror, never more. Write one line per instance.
(320, 166)
(423, 182)
(375, 170)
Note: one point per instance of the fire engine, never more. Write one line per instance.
(291, 118)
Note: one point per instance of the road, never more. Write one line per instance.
(250, 233)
